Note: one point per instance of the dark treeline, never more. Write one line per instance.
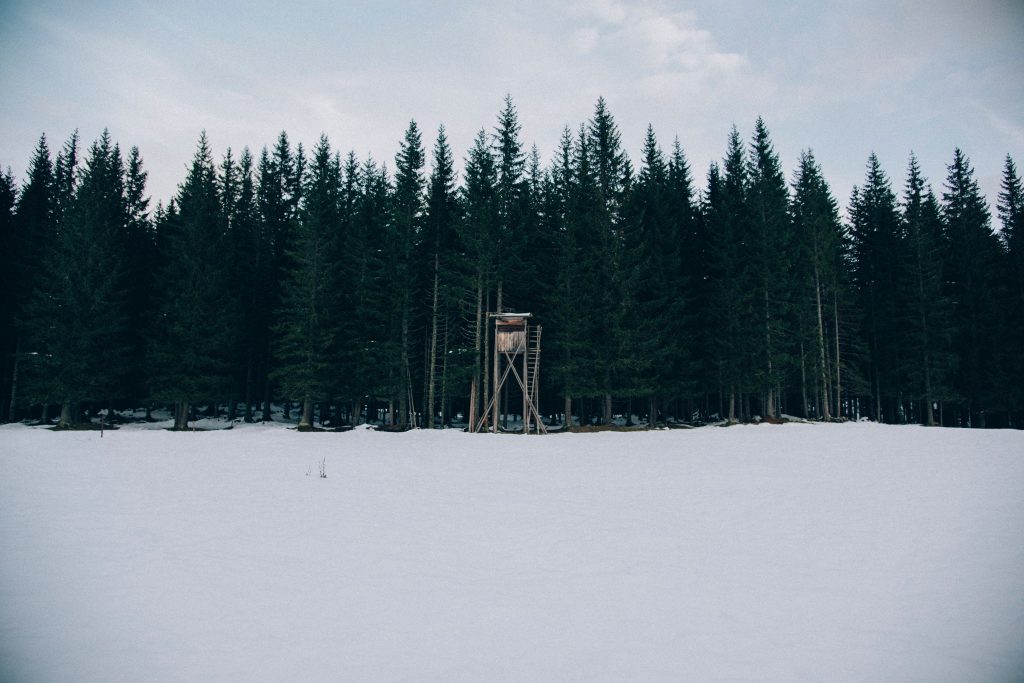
(346, 287)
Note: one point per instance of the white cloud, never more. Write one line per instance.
(665, 39)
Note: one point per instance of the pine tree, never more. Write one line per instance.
(877, 260)
(306, 323)
(446, 359)
(818, 265)
(769, 246)
(34, 224)
(973, 259)
(36, 221)
(1011, 215)
(191, 342)
(403, 237)
(77, 316)
(478, 233)
(278, 197)
(352, 258)
(510, 196)
(926, 321)
(726, 213)
(140, 264)
(690, 241)
(8, 287)
(369, 267)
(248, 266)
(653, 328)
(603, 228)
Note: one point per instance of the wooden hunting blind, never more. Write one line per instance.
(516, 355)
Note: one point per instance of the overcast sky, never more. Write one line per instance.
(841, 78)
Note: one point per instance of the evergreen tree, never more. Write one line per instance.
(447, 357)
(8, 287)
(478, 234)
(139, 248)
(768, 247)
(603, 228)
(34, 225)
(511, 197)
(818, 270)
(248, 268)
(691, 244)
(653, 329)
(77, 315)
(973, 259)
(189, 350)
(352, 257)
(877, 262)
(36, 221)
(926, 324)
(404, 236)
(1011, 215)
(306, 323)
(726, 213)
(278, 197)
(368, 265)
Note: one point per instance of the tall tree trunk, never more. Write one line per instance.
(181, 416)
(444, 378)
(485, 398)
(406, 369)
(826, 412)
(770, 402)
(66, 418)
(474, 385)
(839, 383)
(306, 419)
(803, 380)
(13, 407)
(432, 363)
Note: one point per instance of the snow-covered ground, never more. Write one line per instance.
(851, 552)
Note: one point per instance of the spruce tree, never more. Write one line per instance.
(653, 327)
(768, 246)
(77, 316)
(277, 199)
(404, 236)
(8, 286)
(603, 223)
(877, 262)
(36, 221)
(727, 216)
(369, 266)
(818, 275)
(140, 263)
(34, 225)
(191, 341)
(973, 260)
(691, 247)
(1011, 215)
(306, 322)
(248, 268)
(511, 197)
(479, 234)
(926, 309)
(447, 357)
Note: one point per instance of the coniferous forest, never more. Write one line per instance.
(347, 288)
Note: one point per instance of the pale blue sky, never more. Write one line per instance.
(842, 78)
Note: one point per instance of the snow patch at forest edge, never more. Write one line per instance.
(792, 552)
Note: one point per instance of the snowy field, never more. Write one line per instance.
(850, 552)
